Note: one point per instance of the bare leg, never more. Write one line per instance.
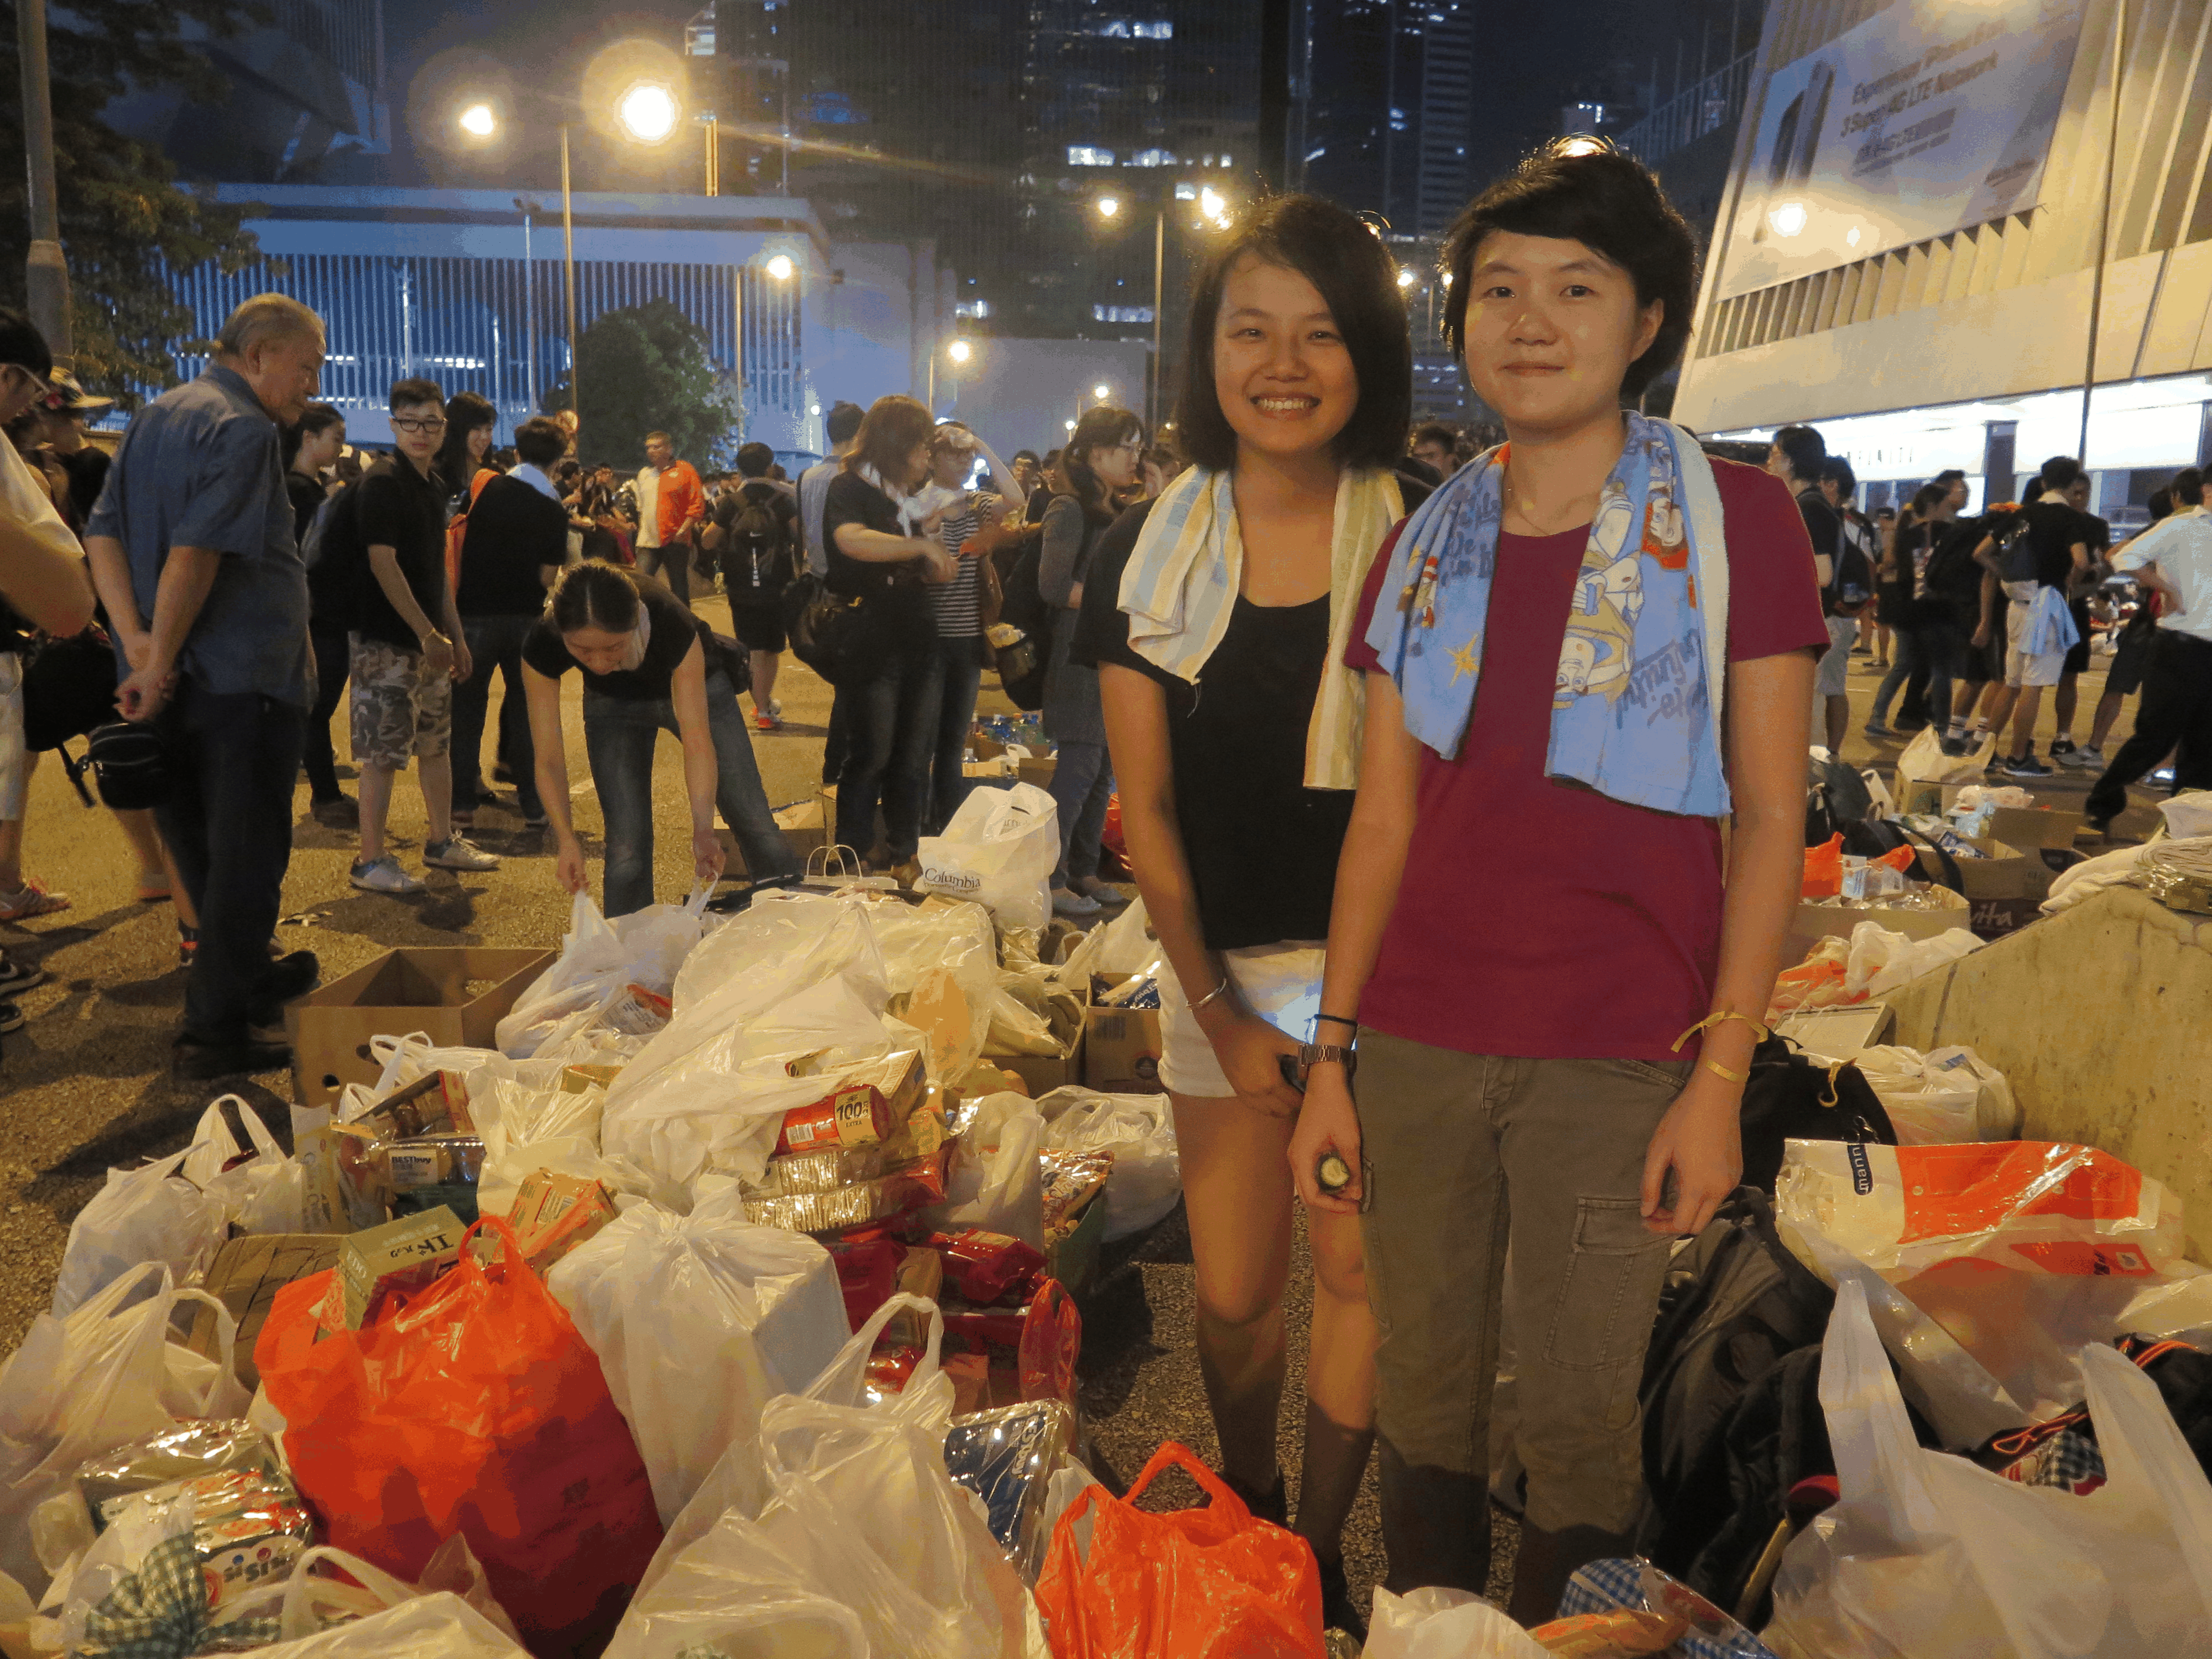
(2024, 710)
(375, 808)
(11, 855)
(2108, 713)
(1339, 1384)
(1838, 715)
(1237, 1195)
(138, 828)
(1997, 706)
(433, 774)
(2061, 707)
(764, 666)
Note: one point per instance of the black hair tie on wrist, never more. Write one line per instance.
(1337, 1020)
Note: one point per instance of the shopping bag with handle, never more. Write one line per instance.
(1204, 1584)
(472, 1406)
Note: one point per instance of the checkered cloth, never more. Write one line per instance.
(160, 1612)
(2067, 1461)
(1634, 1584)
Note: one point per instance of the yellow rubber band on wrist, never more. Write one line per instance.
(1711, 1020)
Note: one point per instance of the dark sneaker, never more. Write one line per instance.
(1273, 1505)
(19, 976)
(1954, 745)
(2025, 766)
(202, 1062)
(2061, 748)
(11, 1019)
(341, 812)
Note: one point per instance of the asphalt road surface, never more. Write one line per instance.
(85, 1085)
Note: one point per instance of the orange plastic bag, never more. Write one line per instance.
(1209, 1583)
(1824, 869)
(471, 1407)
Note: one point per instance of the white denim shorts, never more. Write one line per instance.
(2026, 668)
(1832, 677)
(1281, 983)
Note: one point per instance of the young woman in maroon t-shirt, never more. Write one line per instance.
(1535, 900)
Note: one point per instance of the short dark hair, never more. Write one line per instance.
(22, 345)
(540, 442)
(894, 427)
(1583, 190)
(321, 417)
(1804, 449)
(1837, 472)
(2188, 485)
(754, 460)
(843, 423)
(1433, 432)
(407, 393)
(1950, 475)
(1026, 455)
(2160, 504)
(1349, 267)
(2061, 472)
(594, 594)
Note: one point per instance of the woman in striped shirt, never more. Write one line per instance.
(960, 646)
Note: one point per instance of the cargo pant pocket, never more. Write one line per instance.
(1601, 1319)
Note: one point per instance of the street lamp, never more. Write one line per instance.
(958, 351)
(780, 267)
(1405, 279)
(1108, 207)
(1102, 393)
(647, 112)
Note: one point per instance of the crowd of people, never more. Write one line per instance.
(1973, 617)
(1364, 698)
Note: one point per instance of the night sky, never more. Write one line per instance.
(1538, 58)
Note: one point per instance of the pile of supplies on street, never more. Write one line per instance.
(724, 1300)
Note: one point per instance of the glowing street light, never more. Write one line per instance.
(1108, 206)
(648, 112)
(1405, 279)
(1070, 425)
(1102, 393)
(959, 351)
(1209, 203)
(780, 266)
(478, 121)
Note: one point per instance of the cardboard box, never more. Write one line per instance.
(1041, 1073)
(2025, 827)
(2005, 874)
(455, 994)
(1038, 771)
(1814, 922)
(1072, 1258)
(552, 1214)
(920, 1272)
(803, 830)
(245, 1277)
(401, 1256)
(829, 805)
(581, 1079)
(984, 745)
(1120, 1046)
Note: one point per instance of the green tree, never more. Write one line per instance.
(124, 222)
(646, 370)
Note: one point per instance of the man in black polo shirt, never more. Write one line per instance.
(755, 534)
(408, 645)
(517, 541)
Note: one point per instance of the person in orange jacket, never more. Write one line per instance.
(670, 507)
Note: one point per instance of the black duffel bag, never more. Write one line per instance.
(131, 765)
(834, 636)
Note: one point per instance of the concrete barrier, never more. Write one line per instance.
(2101, 1019)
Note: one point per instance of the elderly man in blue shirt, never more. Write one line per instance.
(193, 531)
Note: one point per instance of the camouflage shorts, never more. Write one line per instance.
(398, 710)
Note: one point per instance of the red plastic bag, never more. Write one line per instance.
(471, 1407)
(1210, 1583)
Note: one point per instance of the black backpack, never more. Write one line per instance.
(757, 560)
(1953, 575)
(337, 562)
(2016, 552)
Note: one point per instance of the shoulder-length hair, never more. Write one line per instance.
(889, 432)
(1104, 427)
(1583, 190)
(1349, 267)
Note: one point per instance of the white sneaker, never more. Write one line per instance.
(1066, 902)
(384, 875)
(2083, 758)
(775, 708)
(454, 852)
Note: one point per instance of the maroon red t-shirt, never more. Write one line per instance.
(1542, 918)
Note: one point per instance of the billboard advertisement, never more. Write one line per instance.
(1929, 117)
